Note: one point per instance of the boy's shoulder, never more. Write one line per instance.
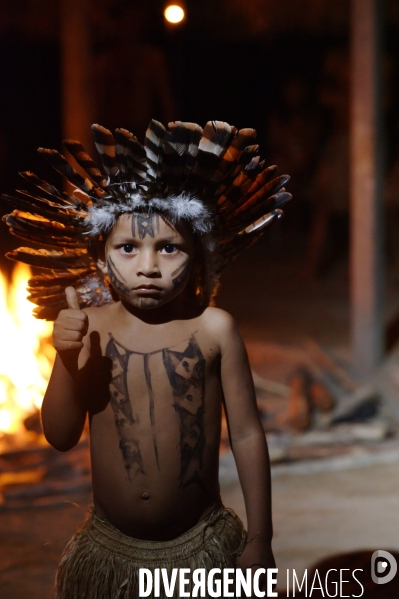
(100, 314)
(216, 323)
(218, 317)
(214, 318)
(219, 323)
(100, 311)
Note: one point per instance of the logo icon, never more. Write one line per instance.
(384, 563)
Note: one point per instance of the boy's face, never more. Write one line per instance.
(148, 261)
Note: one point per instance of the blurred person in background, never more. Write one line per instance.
(295, 131)
(329, 189)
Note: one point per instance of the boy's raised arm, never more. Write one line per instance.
(64, 406)
(249, 446)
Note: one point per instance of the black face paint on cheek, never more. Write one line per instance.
(114, 269)
(182, 273)
(119, 287)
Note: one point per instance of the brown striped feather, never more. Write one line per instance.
(105, 146)
(60, 164)
(122, 137)
(269, 188)
(76, 149)
(153, 146)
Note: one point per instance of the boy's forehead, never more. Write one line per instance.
(141, 225)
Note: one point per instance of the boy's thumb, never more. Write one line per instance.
(72, 298)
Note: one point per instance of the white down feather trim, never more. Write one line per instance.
(103, 216)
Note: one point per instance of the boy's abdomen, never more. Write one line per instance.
(155, 503)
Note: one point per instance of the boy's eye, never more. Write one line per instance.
(128, 248)
(169, 249)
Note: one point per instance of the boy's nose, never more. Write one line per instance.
(148, 264)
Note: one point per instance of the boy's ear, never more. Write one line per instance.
(101, 260)
(102, 265)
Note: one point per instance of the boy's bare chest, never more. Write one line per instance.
(161, 399)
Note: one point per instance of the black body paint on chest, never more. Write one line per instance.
(122, 408)
(186, 372)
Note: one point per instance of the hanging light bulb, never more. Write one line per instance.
(174, 13)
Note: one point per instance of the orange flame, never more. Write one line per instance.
(26, 354)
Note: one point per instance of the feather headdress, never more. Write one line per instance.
(211, 178)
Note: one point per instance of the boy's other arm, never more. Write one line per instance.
(64, 407)
(248, 443)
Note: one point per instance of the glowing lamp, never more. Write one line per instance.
(174, 14)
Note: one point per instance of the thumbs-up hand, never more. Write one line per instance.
(72, 298)
(70, 327)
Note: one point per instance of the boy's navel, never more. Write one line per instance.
(145, 495)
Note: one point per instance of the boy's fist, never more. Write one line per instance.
(70, 326)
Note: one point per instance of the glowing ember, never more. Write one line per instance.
(26, 354)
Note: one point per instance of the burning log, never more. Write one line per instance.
(270, 386)
(299, 406)
(321, 394)
(354, 402)
(324, 361)
(22, 477)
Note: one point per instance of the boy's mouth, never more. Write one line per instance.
(147, 288)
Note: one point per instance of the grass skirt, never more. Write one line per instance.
(100, 562)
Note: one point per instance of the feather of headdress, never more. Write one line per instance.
(122, 137)
(51, 259)
(174, 155)
(233, 153)
(49, 189)
(191, 149)
(136, 159)
(243, 219)
(105, 146)
(60, 164)
(267, 189)
(212, 147)
(41, 206)
(153, 147)
(75, 148)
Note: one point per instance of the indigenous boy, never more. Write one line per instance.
(152, 370)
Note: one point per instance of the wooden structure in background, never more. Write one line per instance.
(77, 113)
(367, 279)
